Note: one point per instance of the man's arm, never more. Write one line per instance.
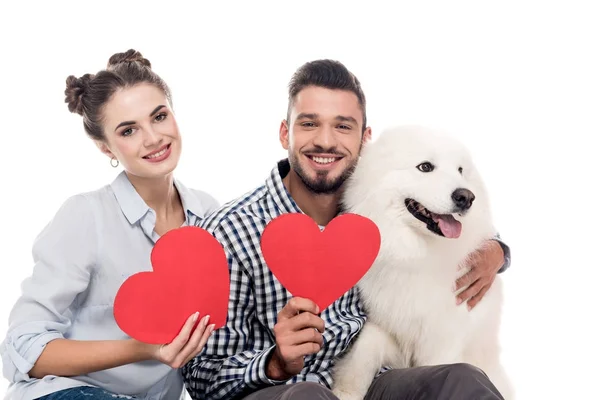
(235, 357)
(485, 263)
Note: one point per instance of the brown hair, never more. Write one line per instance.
(88, 94)
(328, 74)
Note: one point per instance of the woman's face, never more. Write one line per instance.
(141, 131)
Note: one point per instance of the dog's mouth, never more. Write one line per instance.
(442, 224)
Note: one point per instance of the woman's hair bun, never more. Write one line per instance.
(130, 55)
(76, 89)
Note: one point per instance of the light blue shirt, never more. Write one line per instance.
(93, 244)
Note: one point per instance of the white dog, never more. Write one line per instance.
(422, 190)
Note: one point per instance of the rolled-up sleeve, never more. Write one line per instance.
(64, 254)
(506, 250)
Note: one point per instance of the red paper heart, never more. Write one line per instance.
(190, 273)
(320, 266)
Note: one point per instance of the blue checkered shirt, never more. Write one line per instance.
(233, 363)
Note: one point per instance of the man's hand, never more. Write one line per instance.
(483, 266)
(298, 333)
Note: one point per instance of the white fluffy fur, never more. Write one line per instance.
(413, 318)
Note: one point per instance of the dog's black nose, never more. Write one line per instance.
(463, 198)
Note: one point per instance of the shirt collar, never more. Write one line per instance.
(189, 201)
(283, 199)
(135, 208)
(284, 202)
(131, 203)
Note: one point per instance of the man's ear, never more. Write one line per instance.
(367, 135)
(284, 135)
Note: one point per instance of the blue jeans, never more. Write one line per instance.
(83, 393)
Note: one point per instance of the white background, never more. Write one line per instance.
(519, 82)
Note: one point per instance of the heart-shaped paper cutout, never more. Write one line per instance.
(190, 273)
(320, 266)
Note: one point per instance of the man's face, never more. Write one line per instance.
(324, 137)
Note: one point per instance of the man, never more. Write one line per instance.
(271, 339)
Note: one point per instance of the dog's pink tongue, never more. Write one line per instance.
(450, 227)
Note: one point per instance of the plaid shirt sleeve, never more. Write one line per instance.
(506, 250)
(235, 357)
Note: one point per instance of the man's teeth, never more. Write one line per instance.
(323, 160)
(160, 153)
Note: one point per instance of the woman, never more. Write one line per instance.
(63, 342)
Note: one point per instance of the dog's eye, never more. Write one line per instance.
(460, 170)
(425, 167)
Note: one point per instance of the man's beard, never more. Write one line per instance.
(321, 185)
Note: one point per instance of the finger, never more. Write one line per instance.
(308, 335)
(295, 352)
(182, 338)
(192, 343)
(303, 321)
(477, 298)
(207, 332)
(467, 279)
(463, 281)
(297, 305)
(204, 338)
(469, 292)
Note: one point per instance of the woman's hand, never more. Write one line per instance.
(186, 345)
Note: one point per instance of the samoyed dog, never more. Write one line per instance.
(423, 191)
